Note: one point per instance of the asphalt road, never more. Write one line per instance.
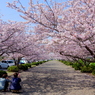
(55, 78)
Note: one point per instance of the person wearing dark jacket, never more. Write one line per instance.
(15, 83)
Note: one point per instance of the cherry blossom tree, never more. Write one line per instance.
(70, 25)
(7, 32)
(11, 37)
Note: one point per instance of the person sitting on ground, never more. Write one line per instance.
(4, 82)
(15, 83)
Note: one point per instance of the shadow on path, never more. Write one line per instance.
(55, 78)
(48, 81)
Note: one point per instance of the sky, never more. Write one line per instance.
(7, 13)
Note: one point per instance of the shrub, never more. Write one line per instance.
(2, 72)
(92, 65)
(76, 66)
(28, 65)
(13, 69)
(23, 67)
(81, 61)
(93, 72)
(86, 69)
(66, 62)
(35, 63)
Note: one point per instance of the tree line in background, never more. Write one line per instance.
(17, 42)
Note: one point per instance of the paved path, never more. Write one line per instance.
(55, 78)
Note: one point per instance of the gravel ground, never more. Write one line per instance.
(55, 78)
